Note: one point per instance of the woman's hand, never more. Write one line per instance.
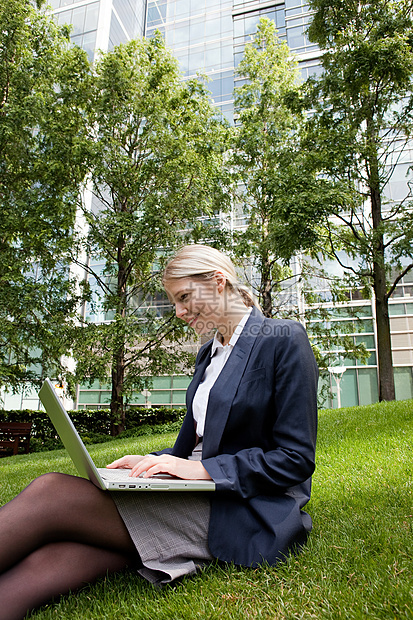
(151, 464)
(126, 462)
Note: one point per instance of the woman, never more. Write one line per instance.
(250, 427)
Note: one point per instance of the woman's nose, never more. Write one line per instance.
(180, 310)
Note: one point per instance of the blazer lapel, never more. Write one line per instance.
(223, 392)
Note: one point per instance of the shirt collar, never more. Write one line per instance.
(216, 344)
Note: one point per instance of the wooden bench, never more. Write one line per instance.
(14, 435)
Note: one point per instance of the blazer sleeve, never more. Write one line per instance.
(287, 456)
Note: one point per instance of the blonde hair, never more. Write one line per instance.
(202, 262)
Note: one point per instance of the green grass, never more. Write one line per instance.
(357, 564)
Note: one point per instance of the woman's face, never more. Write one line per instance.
(198, 302)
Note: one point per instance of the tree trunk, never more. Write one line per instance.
(384, 352)
(117, 409)
(266, 288)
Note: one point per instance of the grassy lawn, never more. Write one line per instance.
(357, 564)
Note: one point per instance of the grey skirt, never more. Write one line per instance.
(169, 530)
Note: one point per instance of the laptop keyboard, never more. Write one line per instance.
(114, 474)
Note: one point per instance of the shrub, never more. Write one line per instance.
(93, 425)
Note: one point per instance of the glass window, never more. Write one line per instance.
(402, 357)
(64, 17)
(196, 30)
(395, 309)
(227, 57)
(348, 384)
(226, 25)
(295, 37)
(366, 326)
(399, 340)
(212, 28)
(398, 292)
(89, 43)
(178, 398)
(181, 8)
(237, 58)
(78, 20)
(197, 6)
(280, 18)
(154, 17)
(181, 382)
(362, 310)
(89, 397)
(196, 62)
(183, 59)
(160, 398)
(250, 24)
(227, 82)
(368, 388)
(371, 361)
(92, 15)
(181, 35)
(138, 398)
(367, 340)
(215, 88)
(162, 383)
(238, 28)
(403, 383)
(227, 111)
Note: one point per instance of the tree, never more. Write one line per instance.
(42, 161)
(266, 160)
(281, 196)
(358, 133)
(157, 167)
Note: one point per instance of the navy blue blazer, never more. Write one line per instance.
(259, 441)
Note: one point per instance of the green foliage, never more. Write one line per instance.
(42, 161)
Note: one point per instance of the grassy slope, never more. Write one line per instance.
(357, 564)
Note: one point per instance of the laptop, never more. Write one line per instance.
(106, 479)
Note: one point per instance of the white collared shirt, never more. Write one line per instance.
(219, 356)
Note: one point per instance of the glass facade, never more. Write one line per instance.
(84, 18)
(101, 24)
(200, 33)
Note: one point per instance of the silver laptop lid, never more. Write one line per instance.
(68, 434)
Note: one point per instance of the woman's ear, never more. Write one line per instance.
(220, 280)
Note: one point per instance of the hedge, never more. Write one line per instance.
(93, 425)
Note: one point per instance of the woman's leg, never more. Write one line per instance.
(57, 534)
(56, 508)
(50, 571)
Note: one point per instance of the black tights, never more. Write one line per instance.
(58, 534)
